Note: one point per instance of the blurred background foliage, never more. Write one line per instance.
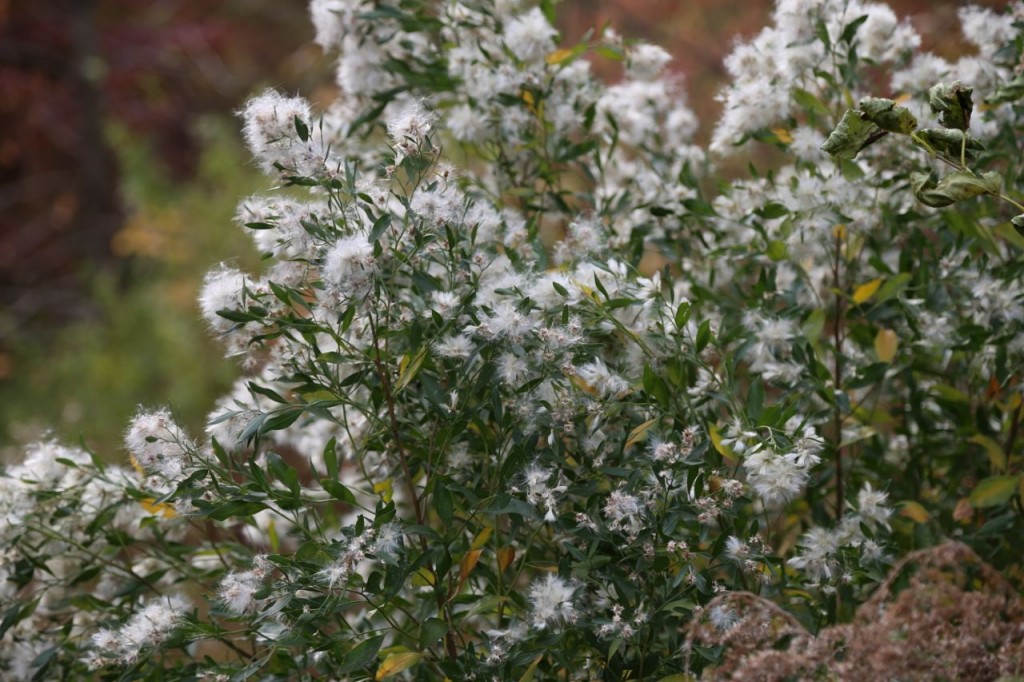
(121, 166)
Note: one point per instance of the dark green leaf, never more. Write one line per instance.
(948, 141)
(361, 656)
(886, 115)
(954, 187)
(1008, 92)
(851, 136)
(953, 103)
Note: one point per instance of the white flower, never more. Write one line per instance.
(736, 549)
(818, 556)
(409, 128)
(388, 543)
(512, 369)
(270, 131)
(145, 630)
(645, 62)
(539, 491)
(223, 289)
(624, 512)
(349, 268)
(530, 37)
(775, 477)
(237, 591)
(455, 346)
(597, 377)
(871, 505)
(158, 444)
(551, 599)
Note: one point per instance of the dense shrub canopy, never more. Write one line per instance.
(533, 386)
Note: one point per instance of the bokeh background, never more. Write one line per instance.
(121, 166)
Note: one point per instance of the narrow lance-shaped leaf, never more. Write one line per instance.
(953, 103)
(954, 187)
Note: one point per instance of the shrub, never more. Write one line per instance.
(529, 383)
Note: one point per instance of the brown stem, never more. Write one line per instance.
(1014, 429)
(385, 381)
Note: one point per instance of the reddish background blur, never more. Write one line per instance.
(70, 70)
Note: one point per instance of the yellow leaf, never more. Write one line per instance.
(468, 563)
(396, 663)
(866, 290)
(996, 456)
(783, 135)
(481, 538)
(994, 491)
(423, 577)
(914, 511)
(839, 231)
(886, 344)
(409, 368)
(528, 675)
(505, 558)
(135, 464)
(639, 432)
(716, 441)
(385, 489)
(559, 56)
(583, 385)
(162, 508)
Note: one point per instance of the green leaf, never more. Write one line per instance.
(886, 115)
(996, 456)
(851, 29)
(949, 142)
(301, 129)
(338, 491)
(1012, 232)
(1009, 92)
(776, 250)
(957, 186)
(683, 314)
(772, 210)
(953, 103)
(703, 336)
(432, 630)
(331, 459)
(382, 223)
(443, 502)
(810, 102)
(361, 656)
(851, 136)
(994, 491)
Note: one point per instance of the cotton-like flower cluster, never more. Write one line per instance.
(158, 444)
(821, 548)
(237, 590)
(552, 603)
(275, 126)
(147, 629)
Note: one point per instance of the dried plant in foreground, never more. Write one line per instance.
(942, 614)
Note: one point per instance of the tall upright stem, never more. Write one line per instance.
(837, 372)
